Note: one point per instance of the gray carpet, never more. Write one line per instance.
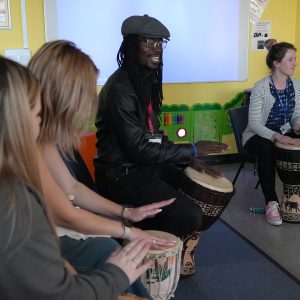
(280, 243)
(229, 268)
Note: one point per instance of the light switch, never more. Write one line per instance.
(20, 55)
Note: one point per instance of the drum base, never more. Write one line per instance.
(290, 203)
(190, 242)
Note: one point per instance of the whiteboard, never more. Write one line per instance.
(209, 38)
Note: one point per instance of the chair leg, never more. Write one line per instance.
(255, 166)
(238, 171)
(257, 184)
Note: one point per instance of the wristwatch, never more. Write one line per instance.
(127, 230)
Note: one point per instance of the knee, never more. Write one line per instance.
(103, 245)
(196, 217)
(191, 217)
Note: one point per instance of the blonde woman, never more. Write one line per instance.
(31, 265)
(68, 83)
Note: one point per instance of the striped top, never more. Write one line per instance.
(283, 108)
(261, 104)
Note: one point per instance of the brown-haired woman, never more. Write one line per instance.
(274, 115)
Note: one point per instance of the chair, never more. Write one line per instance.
(82, 168)
(239, 120)
(79, 170)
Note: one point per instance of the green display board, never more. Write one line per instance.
(235, 102)
(205, 121)
(174, 119)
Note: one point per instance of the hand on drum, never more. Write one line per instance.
(200, 166)
(207, 147)
(147, 211)
(155, 242)
(296, 128)
(129, 259)
(283, 139)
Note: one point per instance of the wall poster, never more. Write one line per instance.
(5, 22)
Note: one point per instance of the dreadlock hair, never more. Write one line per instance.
(148, 86)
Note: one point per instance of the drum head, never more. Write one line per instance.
(164, 235)
(219, 184)
(289, 147)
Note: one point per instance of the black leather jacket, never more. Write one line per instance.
(121, 128)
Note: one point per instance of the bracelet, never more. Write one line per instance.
(122, 213)
(195, 150)
(125, 220)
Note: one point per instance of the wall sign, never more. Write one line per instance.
(5, 22)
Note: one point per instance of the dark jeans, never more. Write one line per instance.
(149, 184)
(89, 254)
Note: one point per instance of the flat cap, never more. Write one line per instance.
(145, 26)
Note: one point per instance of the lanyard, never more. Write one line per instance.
(282, 104)
(150, 124)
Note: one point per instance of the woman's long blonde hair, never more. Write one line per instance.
(19, 91)
(68, 93)
(18, 88)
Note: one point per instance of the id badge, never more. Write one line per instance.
(285, 128)
(154, 138)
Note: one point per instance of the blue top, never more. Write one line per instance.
(283, 107)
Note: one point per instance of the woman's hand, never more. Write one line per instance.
(285, 139)
(129, 259)
(296, 128)
(156, 243)
(200, 166)
(70, 268)
(147, 211)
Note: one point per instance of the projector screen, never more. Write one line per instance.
(209, 38)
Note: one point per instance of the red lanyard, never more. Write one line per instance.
(150, 124)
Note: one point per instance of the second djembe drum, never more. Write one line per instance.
(288, 170)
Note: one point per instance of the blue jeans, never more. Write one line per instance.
(87, 255)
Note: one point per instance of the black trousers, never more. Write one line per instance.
(264, 149)
(150, 184)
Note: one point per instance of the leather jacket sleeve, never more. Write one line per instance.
(128, 122)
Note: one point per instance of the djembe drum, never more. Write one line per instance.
(212, 194)
(162, 278)
(288, 170)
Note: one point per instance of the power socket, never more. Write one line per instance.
(20, 55)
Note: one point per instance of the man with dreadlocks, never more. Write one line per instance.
(132, 150)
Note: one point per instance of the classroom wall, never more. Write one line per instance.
(283, 18)
(284, 15)
(13, 38)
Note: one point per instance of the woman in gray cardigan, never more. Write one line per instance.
(274, 115)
